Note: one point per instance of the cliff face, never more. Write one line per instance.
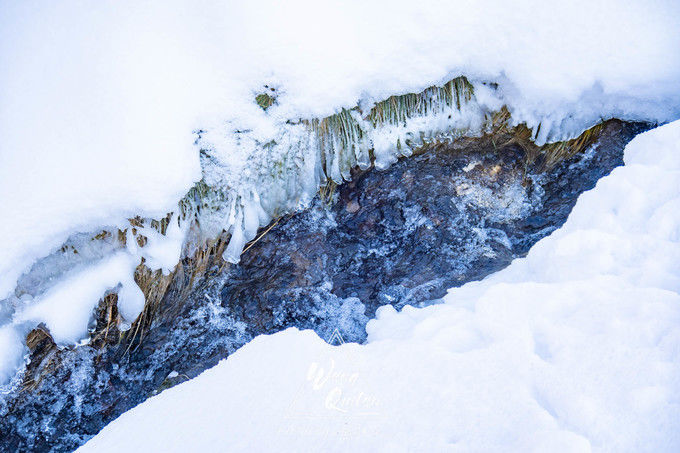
(452, 213)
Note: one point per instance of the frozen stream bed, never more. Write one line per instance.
(398, 237)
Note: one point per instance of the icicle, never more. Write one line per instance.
(130, 301)
(251, 222)
(543, 131)
(285, 170)
(237, 242)
(262, 216)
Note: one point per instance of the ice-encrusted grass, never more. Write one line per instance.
(311, 156)
(307, 154)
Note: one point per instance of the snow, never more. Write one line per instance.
(161, 251)
(94, 122)
(67, 307)
(100, 104)
(573, 348)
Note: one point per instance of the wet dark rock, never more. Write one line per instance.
(399, 236)
(39, 342)
(42, 354)
(105, 330)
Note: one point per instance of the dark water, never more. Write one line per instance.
(399, 236)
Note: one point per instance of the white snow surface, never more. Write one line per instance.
(99, 101)
(574, 348)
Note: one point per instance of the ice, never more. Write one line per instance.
(161, 251)
(66, 308)
(62, 289)
(573, 348)
(116, 110)
(11, 352)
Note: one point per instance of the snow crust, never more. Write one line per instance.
(103, 107)
(573, 348)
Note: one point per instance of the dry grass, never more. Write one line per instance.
(556, 152)
(156, 287)
(261, 235)
(326, 192)
(107, 320)
(550, 154)
(44, 358)
(398, 109)
(340, 138)
(264, 101)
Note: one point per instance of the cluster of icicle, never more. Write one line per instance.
(307, 154)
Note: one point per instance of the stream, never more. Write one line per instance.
(400, 236)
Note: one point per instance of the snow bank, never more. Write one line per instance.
(99, 102)
(574, 348)
(95, 122)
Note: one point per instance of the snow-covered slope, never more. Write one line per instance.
(573, 348)
(100, 102)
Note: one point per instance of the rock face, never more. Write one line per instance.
(400, 236)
